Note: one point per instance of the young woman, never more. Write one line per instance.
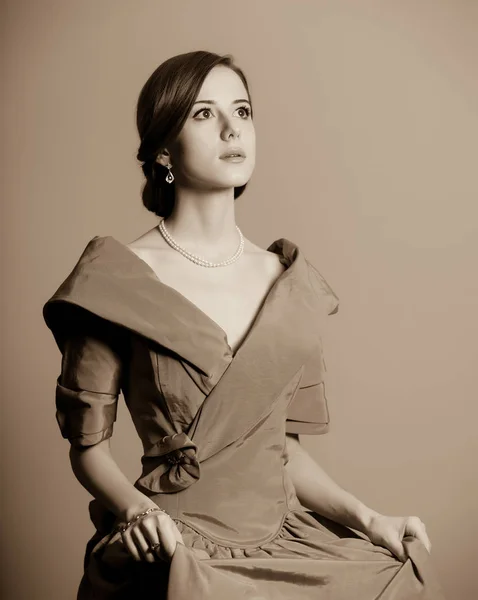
(215, 344)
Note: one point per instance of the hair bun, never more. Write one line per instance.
(148, 168)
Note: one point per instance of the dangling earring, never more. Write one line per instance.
(169, 176)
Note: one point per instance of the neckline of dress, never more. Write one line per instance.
(289, 258)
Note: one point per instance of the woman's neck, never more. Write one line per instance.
(203, 224)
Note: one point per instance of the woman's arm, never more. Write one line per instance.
(96, 470)
(318, 492)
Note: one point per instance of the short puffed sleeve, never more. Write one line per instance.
(88, 387)
(308, 411)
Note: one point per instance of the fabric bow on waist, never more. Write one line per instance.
(178, 467)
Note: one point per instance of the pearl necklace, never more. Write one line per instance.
(194, 257)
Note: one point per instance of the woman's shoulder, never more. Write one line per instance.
(147, 241)
(89, 294)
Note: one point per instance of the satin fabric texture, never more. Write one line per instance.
(213, 424)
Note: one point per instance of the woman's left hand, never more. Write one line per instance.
(389, 532)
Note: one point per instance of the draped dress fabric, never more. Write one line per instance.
(213, 426)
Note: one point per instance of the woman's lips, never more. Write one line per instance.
(233, 150)
(234, 158)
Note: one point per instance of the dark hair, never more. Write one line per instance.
(163, 106)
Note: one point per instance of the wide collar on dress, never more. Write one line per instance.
(112, 282)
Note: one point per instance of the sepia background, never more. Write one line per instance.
(367, 126)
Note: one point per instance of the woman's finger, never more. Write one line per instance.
(168, 538)
(416, 527)
(160, 528)
(395, 545)
(151, 530)
(155, 528)
(142, 544)
(129, 544)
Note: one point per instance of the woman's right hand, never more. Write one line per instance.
(155, 527)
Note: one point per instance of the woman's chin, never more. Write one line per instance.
(230, 183)
(238, 179)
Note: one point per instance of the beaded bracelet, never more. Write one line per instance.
(124, 526)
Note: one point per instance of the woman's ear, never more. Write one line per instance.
(164, 158)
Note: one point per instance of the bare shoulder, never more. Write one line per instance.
(270, 260)
(150, 240)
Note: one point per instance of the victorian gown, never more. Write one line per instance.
(213, 426)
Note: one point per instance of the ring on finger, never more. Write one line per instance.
(154, 547)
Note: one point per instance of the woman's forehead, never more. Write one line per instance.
(222, 82)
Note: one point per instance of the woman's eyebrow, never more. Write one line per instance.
(214, 102)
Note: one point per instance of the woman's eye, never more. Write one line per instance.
(203, 110)
(246, 109)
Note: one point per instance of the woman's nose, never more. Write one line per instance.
(229, 129)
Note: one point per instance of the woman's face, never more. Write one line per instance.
(212, 128)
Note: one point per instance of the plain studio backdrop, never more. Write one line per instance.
(367, 127)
